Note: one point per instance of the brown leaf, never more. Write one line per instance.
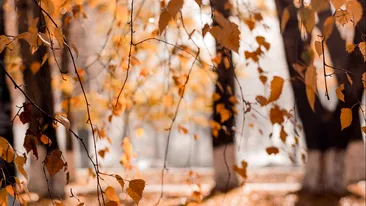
(164, 21)
(241, 171)
(307, 17)
(135, 189)
(205, 29)
(363, 129)
(318, 48)
(30, 143)
(272, 150)
(328, 27)
(338, 3)
(284, 19)
(339, 92)
(120, 180)
(283, 135)
(35, 66)
(174, 6)
(276, 115)
(349, 79)
(276, 89)
(346, 117)
(54, 162)
(310, 81)
(261, 100)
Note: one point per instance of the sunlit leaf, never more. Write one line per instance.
(338, 3)
(362, 47)
(328, 27)
(135, 189)
(339, 92)
(355, 10)
(318, 48)
(45, 140)
(307, 17)
(310, 81)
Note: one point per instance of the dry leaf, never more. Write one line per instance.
(6, 150)
(276, 89)
(342, 17)
(272, 150)
(338, 3)
(346, 117)
(363, 129)
(110, 194)
(135, 189)
(350, 48)
(174, 6)
(19, 162)
(339, 92)
(54, 162)
(328, 27)
(261, 100)
(320, 5)
(310, 81)
(164, 21)
(355, 10)
(318, 48)
(120, 180)
(307, 17)
(276, 115)
(241, 171)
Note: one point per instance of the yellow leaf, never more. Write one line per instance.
(48, 6)
(139, 132)
(307, 17)
(10, 190)
(338, 3)
(346, 117)
(59, 37)
(318, 48)
(339, 92)
(3, 197)
(120, 180)
(285, 18)
(310, 81)
(45, 140)
(6, 150)
(362, 47)
(328, 27)
(164, 21)
(355, 10)
(110, 194)
(135, 189)
(276, 89)
(19, 162)
(272, 150)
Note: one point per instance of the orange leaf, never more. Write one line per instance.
(338, 3)
(328, 27)
(54, 162)
(339, 92)
(310, 81)
(135, 189)
(272, 150)
(363, 129)
(355, 10)
(45, 140)
(284, 19)
(276, 89)
(164, 21)
(346, 117)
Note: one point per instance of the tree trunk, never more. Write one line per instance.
(325, 141)
(6, 129)
(38, 88)
(223, 142)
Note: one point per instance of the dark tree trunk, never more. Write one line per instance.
(325, 141)
(6, 129)
(223, 143)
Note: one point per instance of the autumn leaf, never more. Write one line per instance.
(19, 162)
(164, 21)
(349, 79)
(350, 48)
(227, 34)
(174, 6)
(112, 197)
(328, 27)
(276, 115)
(338, 3)
(272, 150)
(284, 19)
(48, 6)
(276, 89)
(362, 47)
(35, 66)
(199, 2)
(318, 48)
(310, 81)
(54, 162)
(307, 17)
(30, 143)
(346, 117)
(182, 129)
(355, 10)
(342, 17)
(339, 92)
(261, 100)
(120, 180)
(283, 135)
(6, 150)
(363, 129)
(241, 171)
(135, 189)
(45, 140)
